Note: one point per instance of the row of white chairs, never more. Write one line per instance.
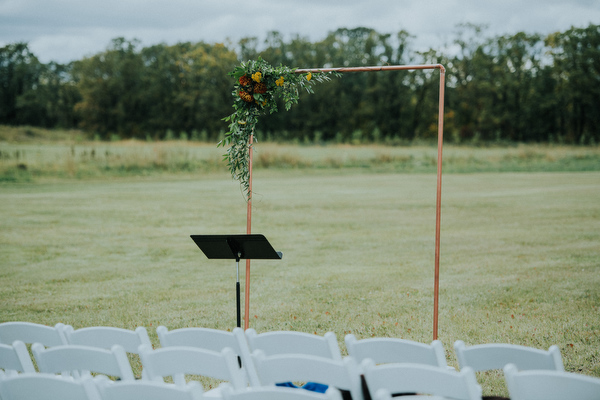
(524, 385)
(51, 387)
(276, 357)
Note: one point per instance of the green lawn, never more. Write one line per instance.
(520, 255)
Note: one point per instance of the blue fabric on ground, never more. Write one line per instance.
(312, 386)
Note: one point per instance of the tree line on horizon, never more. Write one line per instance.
(511, 88)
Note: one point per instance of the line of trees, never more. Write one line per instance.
(521, 87)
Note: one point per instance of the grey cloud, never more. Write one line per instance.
(64, 30)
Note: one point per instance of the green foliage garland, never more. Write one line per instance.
(257, 88)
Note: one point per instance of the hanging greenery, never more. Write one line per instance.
(257, 88)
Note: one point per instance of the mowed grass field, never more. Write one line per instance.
(520, 251)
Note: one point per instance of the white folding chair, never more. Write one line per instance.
(395, 350)
(550, 385)
(30, 386)
(104, 337)
(485, 357)
(148, 390)
(276, 393)
(339, 374)
(404, 378)
(178, 361)
(29, 333)
(212, 339)
(291, 342)
(15, 358)
(81, 360)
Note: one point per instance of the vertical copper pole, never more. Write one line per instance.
(438, 204)
(248, 231)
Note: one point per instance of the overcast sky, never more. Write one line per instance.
(66, 30)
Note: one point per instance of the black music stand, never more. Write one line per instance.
(236, 247)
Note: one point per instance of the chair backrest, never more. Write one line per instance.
(15, 358)
(149, 390)
(340, 374)
(290, 342)
(394, 350)
(178, 361)
(422, 379)
(106, 337)
(485, 357)
(276, 393)
(550, 385)
(203, 338)
(29, 333)
(82, 360)
(211, 339)
(30, 386)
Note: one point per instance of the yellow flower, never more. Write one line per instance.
(257, 76)
(279, 81)
(308, 76)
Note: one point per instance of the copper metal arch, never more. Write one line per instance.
(436, 285)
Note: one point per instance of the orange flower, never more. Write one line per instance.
(247, 97)
(279, 81)
(260, 88)
(244, 80)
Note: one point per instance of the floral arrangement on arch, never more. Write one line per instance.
(257, 88)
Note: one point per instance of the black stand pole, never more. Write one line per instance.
(237, 290)
(236, 247)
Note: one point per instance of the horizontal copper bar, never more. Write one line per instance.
(372, 69)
